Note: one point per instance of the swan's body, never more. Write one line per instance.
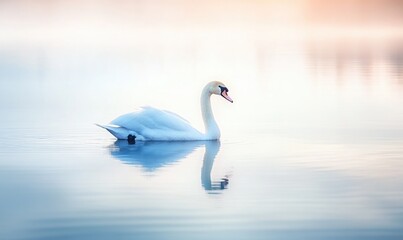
(151, 124)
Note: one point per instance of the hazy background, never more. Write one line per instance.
(98, 56)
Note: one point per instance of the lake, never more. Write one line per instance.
(311, 148)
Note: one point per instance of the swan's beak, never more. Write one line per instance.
(225, 95)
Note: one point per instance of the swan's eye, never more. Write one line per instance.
(223, 89)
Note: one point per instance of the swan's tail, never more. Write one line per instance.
(117, 131)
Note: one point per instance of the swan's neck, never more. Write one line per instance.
(212, 131)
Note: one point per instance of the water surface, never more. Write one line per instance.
(312, 147)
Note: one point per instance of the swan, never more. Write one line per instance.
(152, 124)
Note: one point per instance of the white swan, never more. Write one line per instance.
(151, 124)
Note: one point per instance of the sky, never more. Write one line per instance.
(123, 22)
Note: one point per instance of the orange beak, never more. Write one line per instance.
(225, 95)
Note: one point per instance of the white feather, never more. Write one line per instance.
(151, 124)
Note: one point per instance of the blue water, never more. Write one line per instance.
(312, 147)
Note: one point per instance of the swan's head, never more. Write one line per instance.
(219, 88)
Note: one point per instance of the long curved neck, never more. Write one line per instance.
(212, 131)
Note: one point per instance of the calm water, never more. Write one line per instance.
(312, 147)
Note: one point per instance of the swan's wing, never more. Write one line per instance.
(176, 115)
(156, 124)
(152, 118)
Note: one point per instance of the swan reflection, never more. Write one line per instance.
(212, 148)
(154, 155)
